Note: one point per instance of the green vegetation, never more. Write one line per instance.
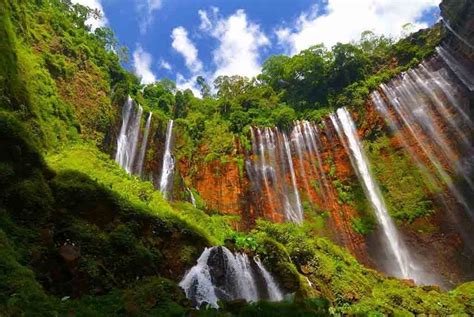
(350, 287)
(89, 160)
(403, 185)
(79, 236)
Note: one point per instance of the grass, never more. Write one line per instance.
(86, 158)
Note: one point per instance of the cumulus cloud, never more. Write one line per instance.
(146, 9)
(239, 43)
(142, 62)
(165, 65)
(183, 83)
(183, 45)
(345, 20)
(206, 17)
(96, 5)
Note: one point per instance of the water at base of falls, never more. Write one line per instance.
(221, 275)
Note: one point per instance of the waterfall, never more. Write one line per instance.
(282, 162)
(197, 283)
(141, 156)
(297, 139)
(297, 215)
(166, 178)
(313, 143)
(462, 39)
(191, 196)
(346, 130)
(274, 292)
(466, 76)
(272, 163)
(427, 106)
(222, 275)
(128, 137)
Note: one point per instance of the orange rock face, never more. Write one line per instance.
(227, 187)
(341, 214)
(221, 186)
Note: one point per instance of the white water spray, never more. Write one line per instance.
(346, 130)
(168, 162)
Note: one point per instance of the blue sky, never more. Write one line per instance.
(181, 39)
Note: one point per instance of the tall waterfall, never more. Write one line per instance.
(429, 112)
(141, 156)
(346, 130)
(287, 168)
(128, 137)
(463, 73)
(221, 275)
(166, 178)
(273, 161)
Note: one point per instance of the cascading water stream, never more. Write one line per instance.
(298, 141)
(167, 169)
(272, 162)
(313, 144)
(429, 107)
(141, 156)
(462, 39)
(466, 76)
(221, 275)
(297, 212)
(128, 137)
(197, 283)
(274, 292)
(348, 135)
(191, 196)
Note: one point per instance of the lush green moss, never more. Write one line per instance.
(404, 188)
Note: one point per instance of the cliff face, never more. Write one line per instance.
(332, 192)
(329, 191)
(457, 15)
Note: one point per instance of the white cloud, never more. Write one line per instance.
(183, 45)
(94, 4)
(345, 20)
(183, 83)
(146, 9)
(142, 62)
(240, 41)
(165, 65)
(205, 21)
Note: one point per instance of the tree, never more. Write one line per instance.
(205, 89)
(229, 87)
(159, 95)
(182, 100)
(350, 65)
(283, 117)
